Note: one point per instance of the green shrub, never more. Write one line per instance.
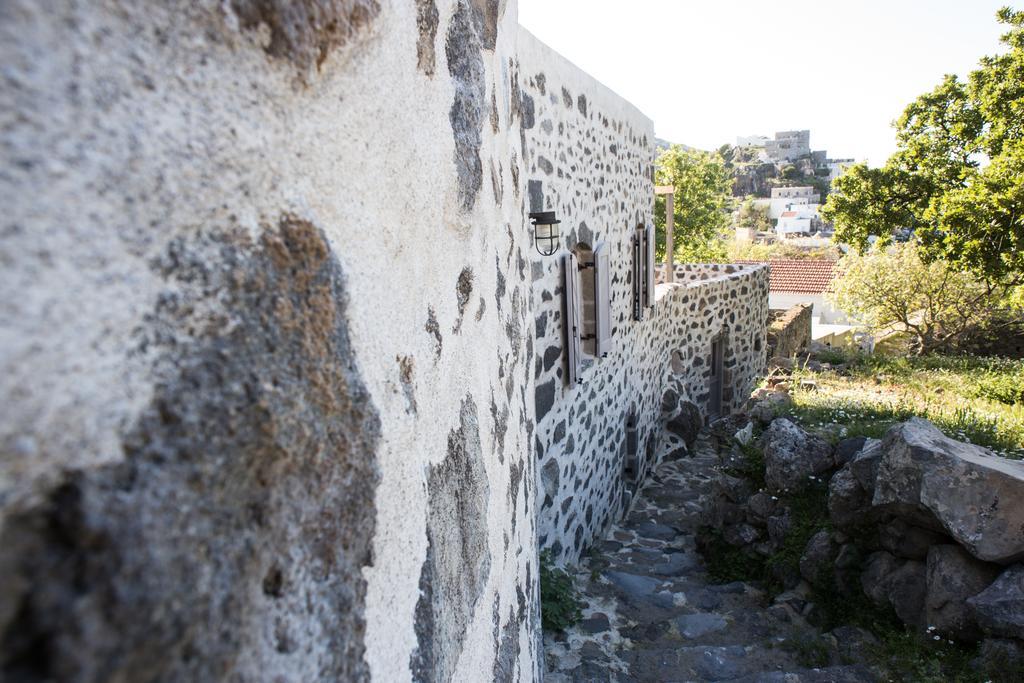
(560, 606)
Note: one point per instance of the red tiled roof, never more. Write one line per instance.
(788, 214)
(796, 275)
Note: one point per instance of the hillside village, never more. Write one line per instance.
(366, 341)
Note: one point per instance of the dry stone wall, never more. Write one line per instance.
(589, 159)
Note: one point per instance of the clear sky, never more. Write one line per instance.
(707, 71)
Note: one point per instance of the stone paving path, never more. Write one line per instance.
(652, 614)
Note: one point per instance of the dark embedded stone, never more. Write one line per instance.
(999, 609)
(687, 424)
(258, 449)
(847, 448)
(457, 491)
(466, 66)
(596, 623)
(306, 31)
(551, 356)
(434, 330)
(426, 23)
(527, 111)
(535, 191)
(545, 398)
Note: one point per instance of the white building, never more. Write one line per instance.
(751, 141)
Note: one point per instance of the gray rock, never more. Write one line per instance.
(760, 507)
(848, 448)
(778, 526)
(687, 423)
(633, 585)
(737, 490)
(999, 656)
(696, 625)
(908, 541)
(669, 402)
(659, 532)
(792, 456)
(864, 464)
(721, 512)
(900, 583)
(854, 643)
(847, 570)
(769, 407)
(595, 623)
(721, 663)
(676, 564)
(953, 576)
(740, 534)
(976, 496)
(848, 502)
(999, 609)
(817, 558)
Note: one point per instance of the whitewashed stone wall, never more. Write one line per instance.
(589, 157)
(266, 350)
(270, 307)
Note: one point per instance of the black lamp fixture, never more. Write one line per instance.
(545, 231)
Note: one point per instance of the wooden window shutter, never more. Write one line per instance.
(649, 266)
(638, 274)
(602, 301)
(573, 328)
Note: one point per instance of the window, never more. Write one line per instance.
(643, 270)
(587, 289)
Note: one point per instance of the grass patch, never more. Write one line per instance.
(978, 400)
(560, 605)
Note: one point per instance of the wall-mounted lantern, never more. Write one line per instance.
(545, 232)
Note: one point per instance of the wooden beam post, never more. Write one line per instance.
(670, 244)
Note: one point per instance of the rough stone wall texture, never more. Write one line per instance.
(266, 350)
(589, 158)
(790, 331)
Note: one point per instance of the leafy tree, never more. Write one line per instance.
(703, 189)
(892, 287)
(957, 177)
(754, 216)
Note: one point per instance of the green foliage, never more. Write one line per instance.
(957, 177)
(893, 288)
(726, 563)
(1005, 388)
(560, 606)
(703, 189)
(962, 395)
(754, 216)
(757, 251)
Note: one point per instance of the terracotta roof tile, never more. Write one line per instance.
(797, 275)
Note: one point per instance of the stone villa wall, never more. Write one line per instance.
(790, 331)
(266, 345)
(273, 329)
(589, 159)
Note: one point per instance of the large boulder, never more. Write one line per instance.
(816, 561)
(792, 456)
(848, 502)
(687, 422)
(899, 583)
(999, 609)
(976, 496)
(908, 541)
(953, 577)
(768, 405)
(864, 464)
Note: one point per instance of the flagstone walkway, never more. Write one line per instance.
(652, 614)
